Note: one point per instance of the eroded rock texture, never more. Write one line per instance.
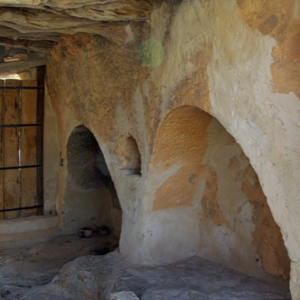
(195, 106)
(108, 277)
(215, 140)
(36, 25)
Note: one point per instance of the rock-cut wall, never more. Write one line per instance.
(197, 116)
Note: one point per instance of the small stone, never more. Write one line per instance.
(171, 294)
(85, 232)
(124, 295)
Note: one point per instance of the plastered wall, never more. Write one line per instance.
(209, 199)
(238, 62)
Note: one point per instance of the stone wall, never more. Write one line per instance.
(217, 178)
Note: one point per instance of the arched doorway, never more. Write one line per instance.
(209, 201)
(90, 197)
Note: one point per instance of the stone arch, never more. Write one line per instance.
(211, 196)
(90, 196)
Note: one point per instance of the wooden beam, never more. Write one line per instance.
(21, 66)
(36, 36)
(38, 46)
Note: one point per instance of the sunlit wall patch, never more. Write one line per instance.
(152, 53)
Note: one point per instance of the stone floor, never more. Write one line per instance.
(27, 274)
(24, 269)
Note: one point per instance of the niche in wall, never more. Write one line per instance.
(90, 196)
(210, 199)
(86, 165)
(130, 156)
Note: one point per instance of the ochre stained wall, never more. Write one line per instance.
(235, 60)
(236, 224)
(180, 143)
(205, 181)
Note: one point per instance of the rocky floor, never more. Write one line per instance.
(27, 274)
(25, 269)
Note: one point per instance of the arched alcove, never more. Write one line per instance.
(130, 156)
(90, 196)
(86, 165)
(209, 201)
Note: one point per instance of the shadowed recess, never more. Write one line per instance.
(86, 165)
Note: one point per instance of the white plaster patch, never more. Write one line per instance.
(130, 36)
(168, 240)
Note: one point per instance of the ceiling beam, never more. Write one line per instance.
(38, 46)
(21, 66)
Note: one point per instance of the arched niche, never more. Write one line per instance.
(90, 196)
(208, 200)
(130, 156)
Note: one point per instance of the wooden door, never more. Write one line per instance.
(21, 142)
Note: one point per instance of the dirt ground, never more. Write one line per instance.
(26, 268)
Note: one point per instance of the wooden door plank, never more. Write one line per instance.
(28, 148)
(41, 73)
(1, 149)
(11, 149)
(28, 191)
